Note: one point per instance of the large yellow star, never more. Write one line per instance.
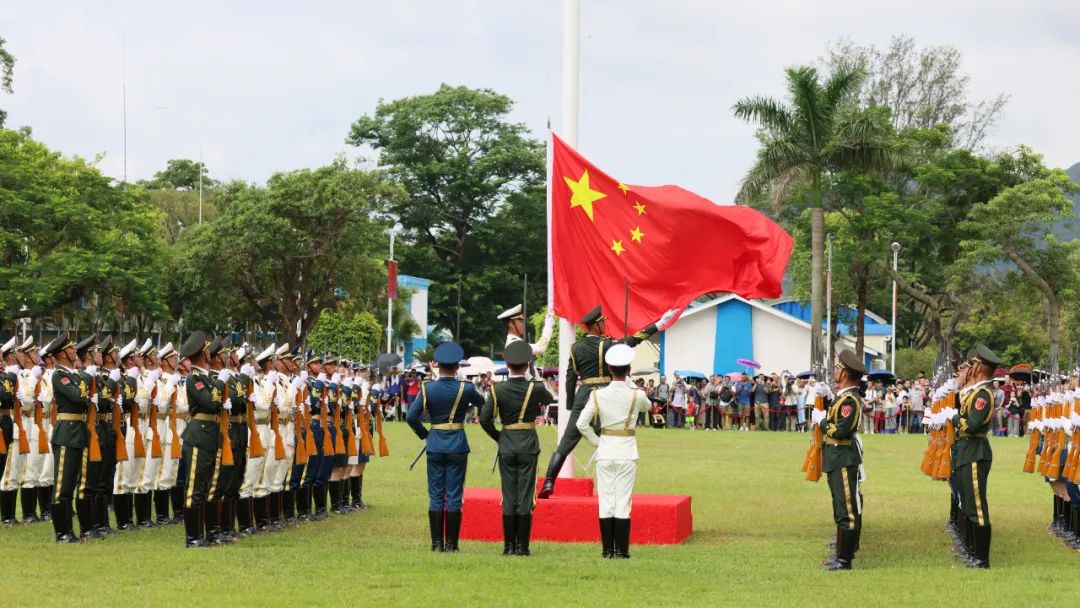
(640, 208)
(636, 234)
(617, 247)
(584, 196)
(624, 187)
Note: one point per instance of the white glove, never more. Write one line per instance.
(666, 319)
(11, 369)
(336, 378)
(114, 375)
(224, 375)
(155, 376)
(172, 379)
(549, 322)
(817, 416)
(132, 372)
(94, 399)
(347, 382)
(272, 377)
(1075, 419)
(247, 370)
(297, 384)
(322, 376)
(227, 404)
(90, 369)
(303, 375)
(823, 390)
(950, 385)
(36, 371)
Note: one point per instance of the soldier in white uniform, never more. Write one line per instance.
(128, 471)
(515, 329)
(148, 432)
(616, 407)
(278, 474)
(254, 492)
(45, 397)
(168, 432)
(20, 384)
(35, 424)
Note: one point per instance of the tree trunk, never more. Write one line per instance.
(817, 283)
(1053, 332)
(862, 288)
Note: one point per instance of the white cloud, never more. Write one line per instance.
(260, 87)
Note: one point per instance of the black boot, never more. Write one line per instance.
(357, 484)
(607, 537)
(260, 514)
(1055, 519)
(212, 515)
(122, 509)
(453, 529)
(85, 512)
(288, 506)
(319, 492)
(980, 547)
(336, 498)
(176, 497)
(509, 534)
(228, 518)
(62, 525)
(44, 497)
(101, 516)
(142, 511)
(28, 499)
(845, 550)
(622, 539)
(1074, 526)
(161, 507)
(435, 522)
(303, 503)
(7, 508)
(553, 469)
(245, 516)
(193, 533)
(524, 531)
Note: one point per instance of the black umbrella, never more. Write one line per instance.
(388, 360)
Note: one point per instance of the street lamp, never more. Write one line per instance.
(895, 255)
(393, 232)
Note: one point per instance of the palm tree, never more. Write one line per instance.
(818, 132)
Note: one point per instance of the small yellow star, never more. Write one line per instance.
(617, 247)
(636, 234)
(584, 196)
(640, 208)
(624, 187)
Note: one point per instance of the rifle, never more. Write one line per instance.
(1035, 437)
(121, 445)
(255, 446)
(24, 441)
(350, 447)
(226, 441)
(43, 437)
(91, 409)
(309, 439)
(279, 443)
(140, 448)
(813, 453)
(384, 449)
(944, 464)
(155, 436)
(324, 419)
(298, 426)
(339, 439)
(929, 462)
(174, 449)
(366, 446)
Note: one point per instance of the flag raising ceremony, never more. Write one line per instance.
(670, 244)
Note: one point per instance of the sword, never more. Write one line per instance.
(495, 463)
(417, 459)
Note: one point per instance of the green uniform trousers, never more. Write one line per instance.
(69, 472)
(844, 486)
(971, 483)
(518, 474)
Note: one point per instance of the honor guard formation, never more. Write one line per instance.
(234, 442)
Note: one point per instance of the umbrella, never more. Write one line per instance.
(388, 360)
(550, 371)
(689, 374)
(805, 375)
(645, 371)
(882, 376)
(479, 365)
(750, 363)
(502, 371)
(735, 376)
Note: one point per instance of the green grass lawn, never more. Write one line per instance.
(759, 536)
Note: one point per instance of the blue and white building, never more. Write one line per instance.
(417, 306)
(710, 336)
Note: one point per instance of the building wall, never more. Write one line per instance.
(733, 338)
(779, 344)
(689, 343)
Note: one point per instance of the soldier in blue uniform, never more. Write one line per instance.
(321, 462)
(444, 402)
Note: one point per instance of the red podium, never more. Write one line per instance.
(571, 514)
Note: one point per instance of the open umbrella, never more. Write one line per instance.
(550, 371)
(388, 360)
(689, 374)
(735, 376)
(882, 376)
(748, 363)
(805, 375)
(645, 371)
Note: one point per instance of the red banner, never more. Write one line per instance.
(391, 279)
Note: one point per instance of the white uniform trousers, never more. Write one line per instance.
(35, 461)
(130, 471)
(256, 467)
(283, 468)
(16, 462)
(615, 487)
(152, 466)
(166, 477)
(45, 471)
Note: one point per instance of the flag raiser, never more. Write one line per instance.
(670, 244)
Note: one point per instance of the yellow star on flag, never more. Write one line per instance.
(617, 247)
(636, 234)
(640, 208)
(584, 196)
(624, 187)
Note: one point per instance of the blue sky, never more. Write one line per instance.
(259, 87)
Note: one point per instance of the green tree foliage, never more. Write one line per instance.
(181, 174)
(283, 254)
(7, 72)
(474, 213)
(354, 335)
(75, 247)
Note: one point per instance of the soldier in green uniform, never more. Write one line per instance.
(971, 462)
(92, 469)
(517, 402)
(107, 377)
(233, 477)
(841, 457)
(71, 437)
(202, 439)
(587, 367)
(8, 383)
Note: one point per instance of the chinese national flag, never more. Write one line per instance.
(670, 244)
(391, 279)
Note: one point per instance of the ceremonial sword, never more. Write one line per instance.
(417, 459)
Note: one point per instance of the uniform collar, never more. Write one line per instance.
(844, 390)
(196, 368)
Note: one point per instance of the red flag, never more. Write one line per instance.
(391, 279)
(670, 244)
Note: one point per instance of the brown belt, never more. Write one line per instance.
(599, 380)
(6, 412)
(448, 426)
(205, 417)
(104, 417)
(831, 441)
(262, 420)
(519, 426)
(238, 419)
(161, 416)
(71, 417)
(618, 432)
(967, 435)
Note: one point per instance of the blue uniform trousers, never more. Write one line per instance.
(446, 481)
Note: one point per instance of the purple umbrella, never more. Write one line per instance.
(750, 363)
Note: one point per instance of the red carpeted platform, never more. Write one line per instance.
(571, 515)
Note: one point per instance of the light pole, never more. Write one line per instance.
(828, 305)
(393, 232)
(895, 255)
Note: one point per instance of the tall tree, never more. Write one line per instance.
(7, 72)
(181, 174)
(808, 140)
(462, 163)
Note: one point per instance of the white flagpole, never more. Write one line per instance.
(571, 59)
